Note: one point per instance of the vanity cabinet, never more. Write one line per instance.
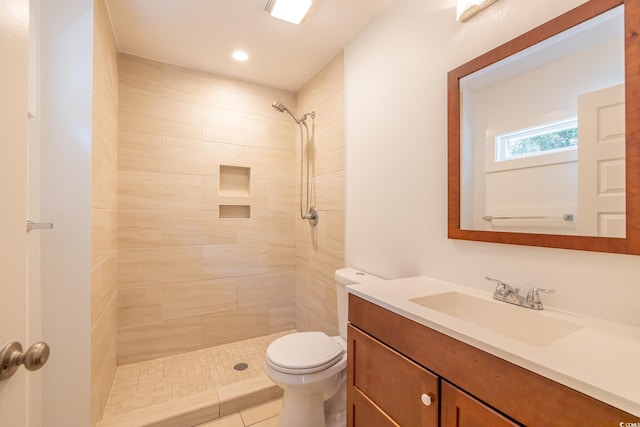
(387, 389)
(402, 373)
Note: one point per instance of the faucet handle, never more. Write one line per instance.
(500, 282)
(534, 296)
(502, 287)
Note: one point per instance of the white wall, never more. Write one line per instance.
(66, 69)
(396, 204)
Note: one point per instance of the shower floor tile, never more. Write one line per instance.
(209, 371)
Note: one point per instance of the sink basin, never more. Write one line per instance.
(522, 324)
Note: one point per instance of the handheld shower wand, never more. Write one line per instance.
(311, 212)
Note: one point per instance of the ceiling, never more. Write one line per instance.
(200, 34)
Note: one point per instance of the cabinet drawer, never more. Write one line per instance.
(462, 410)
(391, 381)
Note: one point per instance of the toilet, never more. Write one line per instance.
(311, 367)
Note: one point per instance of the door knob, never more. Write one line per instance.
(12, 356)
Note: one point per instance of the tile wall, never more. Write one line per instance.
(104, 211)
(187, 278)
(320, 249)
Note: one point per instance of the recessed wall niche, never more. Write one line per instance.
(234, 211)
(235, 181)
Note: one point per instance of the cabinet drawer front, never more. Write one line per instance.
(462, 410)
(391, 381)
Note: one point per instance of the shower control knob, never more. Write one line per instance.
(312, 216)
(12, 356)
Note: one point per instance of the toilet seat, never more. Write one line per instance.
(303, 353)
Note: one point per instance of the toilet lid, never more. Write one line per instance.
(304, 351)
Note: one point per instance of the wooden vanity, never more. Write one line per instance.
(403, 373)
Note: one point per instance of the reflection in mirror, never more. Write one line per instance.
(543, 136)
(511, 155)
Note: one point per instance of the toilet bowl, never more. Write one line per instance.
(307, 379)
(311, 367)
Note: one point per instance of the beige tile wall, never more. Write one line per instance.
(104, 253)
(320, 250)
(188, 279)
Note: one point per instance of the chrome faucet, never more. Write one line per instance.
(511, 295)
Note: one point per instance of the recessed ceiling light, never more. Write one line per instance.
(292, 11)
(240, 55)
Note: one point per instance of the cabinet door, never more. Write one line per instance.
(462, 410)
(394, 385)
(362, 412)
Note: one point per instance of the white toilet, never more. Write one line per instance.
(311, 367)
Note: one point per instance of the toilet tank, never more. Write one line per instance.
(345, 277)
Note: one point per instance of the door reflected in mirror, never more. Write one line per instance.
(543, 136)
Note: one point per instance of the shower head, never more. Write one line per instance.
(283, 108)
(278, 106)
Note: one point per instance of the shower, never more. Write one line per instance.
(308, 213)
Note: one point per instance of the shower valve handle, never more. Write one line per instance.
(312, 216)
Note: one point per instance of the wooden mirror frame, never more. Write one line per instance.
(631, 243)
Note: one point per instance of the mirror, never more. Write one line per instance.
(541, 128)
(543, 148)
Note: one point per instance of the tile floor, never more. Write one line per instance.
(265, 415)
(161, 384)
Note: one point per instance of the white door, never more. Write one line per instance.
(14, 33)
(20, 312)
(601, 170)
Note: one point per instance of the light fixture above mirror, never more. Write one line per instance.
(467, 9)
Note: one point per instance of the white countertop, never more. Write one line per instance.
(601, 360)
